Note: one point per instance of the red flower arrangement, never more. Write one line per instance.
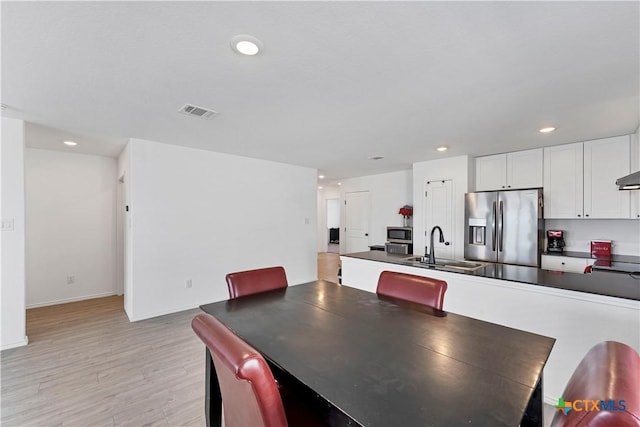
(406, 211)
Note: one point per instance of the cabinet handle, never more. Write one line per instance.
(508, 186)
(503, 186)
(562, 263)
(587, 215)
(579, 215)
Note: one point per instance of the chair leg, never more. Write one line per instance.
(533, 415)
(213, 397)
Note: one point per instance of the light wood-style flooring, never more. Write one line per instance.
(328, 264)
(87, 365)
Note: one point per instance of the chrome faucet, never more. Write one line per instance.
(432, 252)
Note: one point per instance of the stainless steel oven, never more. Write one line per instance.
(399, 248)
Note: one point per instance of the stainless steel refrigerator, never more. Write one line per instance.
(504, 226)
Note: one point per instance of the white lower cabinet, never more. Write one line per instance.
(565, 263)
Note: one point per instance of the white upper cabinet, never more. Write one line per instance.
(606, 160)
(579, 179)
(520, 169)
(563, 181)
(524, 169)
(491, 172)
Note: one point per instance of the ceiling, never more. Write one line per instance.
(336, 83)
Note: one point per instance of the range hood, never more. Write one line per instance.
(629, 182)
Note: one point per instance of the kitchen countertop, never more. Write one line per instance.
(614, 257)
(620, 285)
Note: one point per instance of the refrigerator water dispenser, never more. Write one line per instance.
(477, 231)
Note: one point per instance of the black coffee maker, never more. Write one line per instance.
(555, 240)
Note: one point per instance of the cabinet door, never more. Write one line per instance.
(563, 263)
(524, 169)
(563, 181)
(606, 160)
(491, 172)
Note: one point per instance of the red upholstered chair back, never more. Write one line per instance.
(250, 395)
(254, 281)
(423, 290)
(609, 371)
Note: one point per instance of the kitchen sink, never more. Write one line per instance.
(448, 263)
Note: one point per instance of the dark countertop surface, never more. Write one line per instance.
(614, 257)
(620, 285)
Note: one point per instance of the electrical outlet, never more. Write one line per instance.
(71, 280)
(189, 284)
(7, 224)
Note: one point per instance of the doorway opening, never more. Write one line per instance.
(333, 225)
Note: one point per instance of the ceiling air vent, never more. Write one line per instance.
(194, 110)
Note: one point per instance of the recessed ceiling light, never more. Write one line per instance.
(547, 129)
(70, 143)
(376, 158)
(321, 176)
(319, 187)
(442, 148)
(246, 45)
(339, 183)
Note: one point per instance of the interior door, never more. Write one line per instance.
(439, 211)
(357, 211)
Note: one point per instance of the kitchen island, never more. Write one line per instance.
(579, 310)
(618, 285)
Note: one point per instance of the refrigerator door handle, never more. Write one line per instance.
(501, 227)
(493, 228)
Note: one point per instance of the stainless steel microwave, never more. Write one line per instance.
(400, 234)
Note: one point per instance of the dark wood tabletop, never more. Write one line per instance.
(377, 361)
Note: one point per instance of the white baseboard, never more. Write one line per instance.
(20, 343)
(74, 299)
(161, 313)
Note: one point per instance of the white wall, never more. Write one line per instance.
(459, 170)
(198, 215)
(388, 192)
(328, 192)
(12, 298)
(71, 228)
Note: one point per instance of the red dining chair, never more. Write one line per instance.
(419, 289)
(609, 372)
(254, 281)
(249, 391)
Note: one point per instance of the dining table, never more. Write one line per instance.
(363, 359)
